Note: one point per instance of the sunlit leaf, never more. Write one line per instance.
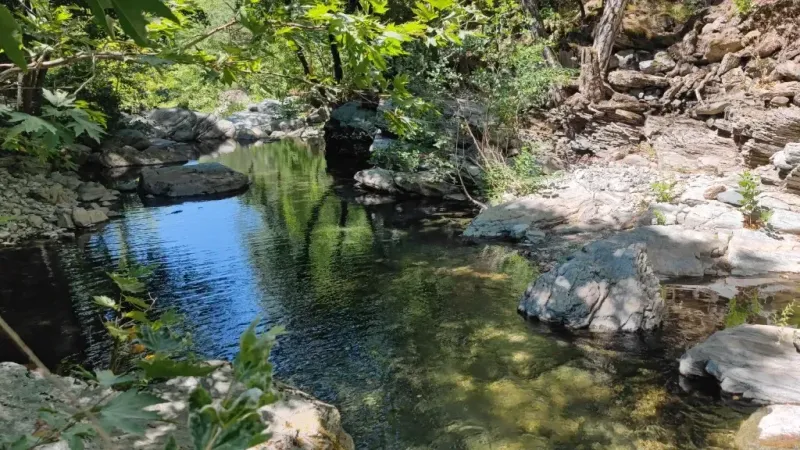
(158, 341)
(136, 301)
(116, 332)
(11, 38)
(126, 413)
(138, 316)
(107, 378)
(59, 98)
(128, 284)
(106, 302)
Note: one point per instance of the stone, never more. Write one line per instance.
(209, 127)
(426, 184)
(83, 218)
(777, 127)
(779, 161)
(734, 79)
(772, 427)
(134, 138)
(753, 252)
(377, 179)
(715, 46)
(779, 101)
(758, 362)
(630, 79)
(89, 192)
(68, 180)
(661, 63)
(770, 43)
(728, 63)
(297, 421)
(788, 70)
(731, 197)
(684, 144)
(711, 109)
(785, 221)
(175, 123)
(153, 156)
(603, 288)
(35, 221)
(64, 220)
(192, 180)
(787, 89)
(712, 192)
(792, 154)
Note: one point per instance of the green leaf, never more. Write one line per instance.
(59, 99)
(158, 341)
(171, 444)
(98, 8)
(166, 368)
(126, 413)
(107, 378)
(136, 301)
(132, 19)
(116, 332)
(25, 123)
(11, 38)
(106, 302)
(199, 398)
(202, 424)
(128, 284)
(82, 123)
(77, 434)
(251, 365)
(138, 316)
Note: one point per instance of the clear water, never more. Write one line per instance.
(410, 332)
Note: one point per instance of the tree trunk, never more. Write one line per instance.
(537, 30)
(591, 79)
(338, 73)
(582, 9)
(605, 33)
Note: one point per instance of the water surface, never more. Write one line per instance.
(410, 332)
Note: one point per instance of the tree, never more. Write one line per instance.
(594, 60)
(537, 30)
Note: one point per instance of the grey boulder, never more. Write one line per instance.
(134, 138)
(153, 156)
(604, 288)
(759, 362)
(84, 218)
(194, 180)
(771, 427)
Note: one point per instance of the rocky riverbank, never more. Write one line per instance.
(297, 421)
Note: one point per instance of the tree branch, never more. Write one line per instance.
(11, 69)
(209, 33)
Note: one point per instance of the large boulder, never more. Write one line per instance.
(770, 428)
(602, 287)
(381, 180)
(759, 362)
(714, 46)
(297, 421)
(684, 144)
(753, 252)
(193, 180)
(211, 128)
(426, 184)
(153, 156)
(134, 138)
(176, 124)
(776, 127)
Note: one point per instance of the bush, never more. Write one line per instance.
(518, 177)
(743, 7)
(664, 191)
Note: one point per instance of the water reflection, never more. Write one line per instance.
(412, 334)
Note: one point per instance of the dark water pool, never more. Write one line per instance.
(412, 333)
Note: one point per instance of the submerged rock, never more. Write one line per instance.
(194, 180)
(153, 156)
(758, 362)
(602, 288)
(771, 428)
(426, 184)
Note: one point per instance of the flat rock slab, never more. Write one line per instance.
(190, 181)
(153, 156)
(753, 252)
(604, 288)
(771, 427)
(758, 362)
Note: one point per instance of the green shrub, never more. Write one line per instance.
(661, 219)
(749, 189)
(743, 7)
(518, 177)
(664, 191)
(743, 308)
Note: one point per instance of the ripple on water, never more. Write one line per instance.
(413, 335)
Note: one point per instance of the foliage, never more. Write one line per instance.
(783, 317)
(518, 177)
(743, 308)
(63, 121)
(664, 190)
(749, 189)
(147, 350)
(661, 219)
(743, 7)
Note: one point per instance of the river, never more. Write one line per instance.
(410, 332)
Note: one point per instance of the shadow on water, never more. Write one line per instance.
(413, 335)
